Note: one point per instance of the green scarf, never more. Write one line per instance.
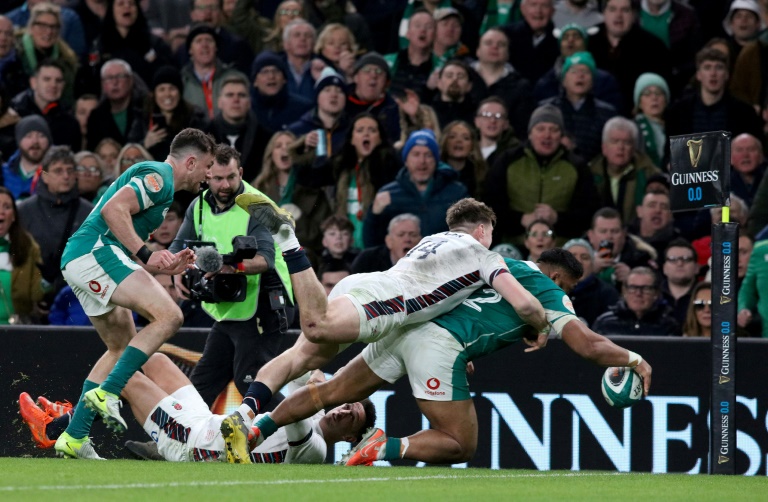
(286, 197)
(29, 61)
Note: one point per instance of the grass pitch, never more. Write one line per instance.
(58, 479)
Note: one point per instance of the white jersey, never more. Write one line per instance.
(185, 430)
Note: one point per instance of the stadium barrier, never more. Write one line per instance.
(542, 410)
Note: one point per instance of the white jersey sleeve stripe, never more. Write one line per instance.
(138, 186)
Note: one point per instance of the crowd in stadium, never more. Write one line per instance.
(556, 113)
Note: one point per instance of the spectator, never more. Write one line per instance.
(448, 27)
(492, 75)
(20, 255)
(43, 98)
(21, 171)
(712, 108)
(84, 105)
(539, 237)
(90, 172)
(125, 35)
(654, 223)
(620, 172)
(582, 12)
(42, 40)
(369, 93)
(286, 11)
(539, 181)
(535, 46)
(747, 167)
(169, 20)
(230, 49)
(452, 101)
(742, 24)
(336, 47)
(165, 113)
(278, 180)
(12, 72)
(590, 296)
(412, 65)
(53, 214)
(321, 13)
(753, 294)
(624, 49)
(165, 234)
(130, 154)
(403, 233)
(501, 12)
(298, 41)
(8, 120)
(270, 101)
(420, 188)
(460, 150)
(236, 125)
(651, 98)
(114, 116)
(584, 116)
(414, 116)
(243, 19)
(66, 310)
(680, 270)
(616, 251)
(698, 317)
(677, 25)
(330, 273)
(492, 123)
(639, 311)
(71, 27)
(573, 39)
(91, 14)
(204, 75)
(108, 150)
(748, 83)
(337, 240)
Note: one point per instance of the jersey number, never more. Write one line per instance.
(425, 249)
(473, 303)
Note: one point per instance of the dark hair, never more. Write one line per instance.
(60, 153)
(564, 260)
(332, 265)
(493, 99)
(691, 326)
(608, 213)
(370, 418)
(539, 221)
(680, 242)
(21, 240)
(455, 62)
(348, 154)
(341, 222)
(469, 211)
(176, 208)
(138, 38)
(50, 63)
(236, 79)
(710, 54)
(192, 139)
(225, 153)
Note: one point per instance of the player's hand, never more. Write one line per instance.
(154, 136)
(743, 318)
(382, 200)
(644, 370)
(180, 261)
(539, 343)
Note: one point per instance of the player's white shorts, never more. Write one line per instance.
(184, 428)
(434, 361)
(382, 308)
(95, 276)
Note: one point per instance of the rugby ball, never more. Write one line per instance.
(622, 387)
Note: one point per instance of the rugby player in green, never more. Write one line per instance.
(109, 285)
(435, 356)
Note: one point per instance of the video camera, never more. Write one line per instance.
(220, 287)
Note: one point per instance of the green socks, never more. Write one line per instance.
(267, 426)
(129, 363)
(82, 419)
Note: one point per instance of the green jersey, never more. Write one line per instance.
(153, 184)
(485, 322)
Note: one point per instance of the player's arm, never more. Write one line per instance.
(602, 351)
(525, 304)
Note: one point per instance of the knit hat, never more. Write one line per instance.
(750, 5)
(584, 58)
(373, 58)
(574, 27)
(422, 137)
(267, 58)
(32, 123)
(507, 251)
(201, 29)
(646, 80)
(546, 113)
(167, 75)
(329, 77)
(580, 242)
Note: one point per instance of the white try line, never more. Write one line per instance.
(177, 484)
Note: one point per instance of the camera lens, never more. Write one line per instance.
(229, 287)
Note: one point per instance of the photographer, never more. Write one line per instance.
(247, 334)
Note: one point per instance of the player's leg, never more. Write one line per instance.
(143, 394)
(141, 293)
(452, 436)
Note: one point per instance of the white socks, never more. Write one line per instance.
(286, 238)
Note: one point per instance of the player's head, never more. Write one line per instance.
(562, 267)
(350, 421)
(472, 217)
(193, 150)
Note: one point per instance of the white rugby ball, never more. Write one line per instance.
(622, 387)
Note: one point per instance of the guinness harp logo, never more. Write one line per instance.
(722, 459)
(694, 151)
(724, 379)
(724, 300)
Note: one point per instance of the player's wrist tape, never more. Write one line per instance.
(143, 254)
(315, 395)
(634, 359)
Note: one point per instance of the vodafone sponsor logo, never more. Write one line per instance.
(432, 385)
(94, 286)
